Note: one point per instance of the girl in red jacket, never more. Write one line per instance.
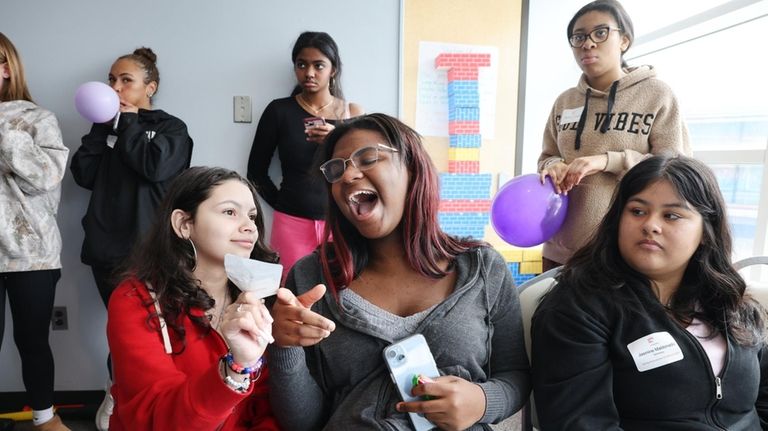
(186, 345)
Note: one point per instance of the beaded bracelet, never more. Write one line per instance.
(239, 369)
(240, 387)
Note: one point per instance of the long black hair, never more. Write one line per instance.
(166, 261)
(711, 289)
(324, 43)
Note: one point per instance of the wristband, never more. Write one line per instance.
(553, 162)
(233, 384)
(239, 369)
(240, 387)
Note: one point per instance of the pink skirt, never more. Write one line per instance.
(294, 237)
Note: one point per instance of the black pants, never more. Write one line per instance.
(30, 296)
(106, 282)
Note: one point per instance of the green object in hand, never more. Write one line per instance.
(418, 379)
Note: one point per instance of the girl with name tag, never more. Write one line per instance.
(649, 326)
(391, 273)
(598, 130)
(187, 346)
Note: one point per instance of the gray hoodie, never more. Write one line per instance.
(342, 383)
(32, 163)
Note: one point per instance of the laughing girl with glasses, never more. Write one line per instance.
(598, 130)
(391, 272)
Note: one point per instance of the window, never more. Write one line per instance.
(722, 92)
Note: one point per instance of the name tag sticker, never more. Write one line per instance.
(654, 351)
(571, 115)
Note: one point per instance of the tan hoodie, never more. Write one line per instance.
(33, 160)
(643, 118)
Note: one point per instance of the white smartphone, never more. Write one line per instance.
(312, 122)
(407, 359)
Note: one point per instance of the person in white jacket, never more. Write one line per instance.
(33, 160)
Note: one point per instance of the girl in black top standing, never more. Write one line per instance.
(300, 203)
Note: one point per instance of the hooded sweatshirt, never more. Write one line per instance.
(128, 170)
(33, 160)
(637, 116)
(342, 382)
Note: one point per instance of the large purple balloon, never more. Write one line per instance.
(526, 213)
(97, 102)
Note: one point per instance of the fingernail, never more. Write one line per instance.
(267, 337)
(268, 317)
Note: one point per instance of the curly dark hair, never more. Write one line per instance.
(165, 261)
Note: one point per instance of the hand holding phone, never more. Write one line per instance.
(408, 361)
(312, 122)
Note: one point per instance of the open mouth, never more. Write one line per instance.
(363, 201)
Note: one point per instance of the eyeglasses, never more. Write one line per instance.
(598, 35)
(363, 159)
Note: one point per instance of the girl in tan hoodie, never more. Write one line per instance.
(615, 117)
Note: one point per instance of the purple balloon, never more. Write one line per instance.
(97, 102)
(526, 213)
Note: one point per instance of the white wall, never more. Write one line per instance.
(550, 70)
(208, 52)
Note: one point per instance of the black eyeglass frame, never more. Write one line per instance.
(590, 36)
(378, 147)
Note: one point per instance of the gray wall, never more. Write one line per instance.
(207, 53)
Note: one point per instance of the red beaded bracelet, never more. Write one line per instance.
(239, 369)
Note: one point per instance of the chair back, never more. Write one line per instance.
(758, 290)
(530, 294)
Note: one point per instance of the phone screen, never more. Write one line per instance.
(311, 122)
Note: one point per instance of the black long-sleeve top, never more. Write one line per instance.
(302, 192)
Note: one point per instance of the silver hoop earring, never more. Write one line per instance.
(194, 252)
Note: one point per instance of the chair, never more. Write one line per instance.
(530, 294)
(758, 290)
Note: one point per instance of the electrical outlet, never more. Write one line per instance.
(242, 109)
(59, 320)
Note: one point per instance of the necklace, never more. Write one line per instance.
(221, 314)
(306, 105)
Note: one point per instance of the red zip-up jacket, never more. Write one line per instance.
(154, 390)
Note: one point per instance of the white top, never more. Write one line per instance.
(715, 347)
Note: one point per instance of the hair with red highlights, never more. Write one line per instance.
(426, 245)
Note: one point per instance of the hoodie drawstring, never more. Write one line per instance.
(611, 99)
(583, 119)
